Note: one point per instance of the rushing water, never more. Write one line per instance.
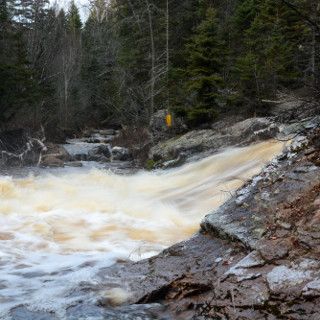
(60, 227)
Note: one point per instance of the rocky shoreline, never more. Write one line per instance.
(255, 257)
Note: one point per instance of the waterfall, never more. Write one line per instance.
(60, 228)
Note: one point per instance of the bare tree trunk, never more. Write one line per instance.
(152, 60)
(167, 50)
(167, 35)
(313, 57)
(134, 14)
(65, 91)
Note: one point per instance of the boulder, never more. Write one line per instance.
(107, 132)
(93, 156)
(101, 153)
(241, 133)
(59, 152)
(74, 164)
(247, 127)
(18, 149)
(81, 156)
(51, 161)
(159, 127)
(191, 143)
(121, 154)
(104, 150)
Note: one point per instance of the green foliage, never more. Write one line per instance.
(267, 50)
(202, 76)
(201, 58)
(73, 18)
(150, 164)
(3, 13)
(18, 87)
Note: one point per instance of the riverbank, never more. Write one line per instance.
(256, 257)
(240, 265)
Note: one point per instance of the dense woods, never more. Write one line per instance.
(200, 58)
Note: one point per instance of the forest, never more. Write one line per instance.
(201, 59)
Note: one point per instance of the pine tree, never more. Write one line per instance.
(203, 80)
(267, 52)
(19, 89)
(3, 14)
(74, 20)
(18, 86)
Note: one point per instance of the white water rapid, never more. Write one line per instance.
(60, 228)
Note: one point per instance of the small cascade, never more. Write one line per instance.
(95, 150)
(60, 228)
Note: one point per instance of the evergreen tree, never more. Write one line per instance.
(267, 52)
(74, 20)
(3, 14)
(19, 89)
(203, 82)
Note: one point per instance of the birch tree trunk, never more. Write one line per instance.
(152, 74)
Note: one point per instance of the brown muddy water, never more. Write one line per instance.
(59, 228)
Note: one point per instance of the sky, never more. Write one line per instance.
(81, 4)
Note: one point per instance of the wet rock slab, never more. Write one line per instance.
(256, 257)
(93, 312)
(246, 216)
(180, 274)
(178, 149)
(24, 314)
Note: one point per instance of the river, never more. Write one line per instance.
(59, 227)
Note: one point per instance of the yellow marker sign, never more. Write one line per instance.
(169, 120)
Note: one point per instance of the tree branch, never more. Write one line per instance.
(295, 9)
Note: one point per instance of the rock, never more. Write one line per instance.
(58, 134)
(196, 141)
(252, 260)
(286, 225)
(51, 161)
(312, 289)
(283, 277)
(59, 152)
(95, 140)
(248, 223)
(95, 155)
(220, 126)
(104, 150)
(190, 143)
(81, 156)
(107, 132)
(74, 164)
(273, 250)
(159, 127)
(267, 133)
(247, 262)
(121, 154)
(134, 312)
(247, 127)
(18, 149)
(21, 313)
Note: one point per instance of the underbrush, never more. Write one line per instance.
(137, 139)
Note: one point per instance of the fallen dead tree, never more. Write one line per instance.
(17, 149)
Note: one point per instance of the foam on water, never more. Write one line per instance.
(58, 231)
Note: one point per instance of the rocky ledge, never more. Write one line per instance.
(289, 118)
(256, 257)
